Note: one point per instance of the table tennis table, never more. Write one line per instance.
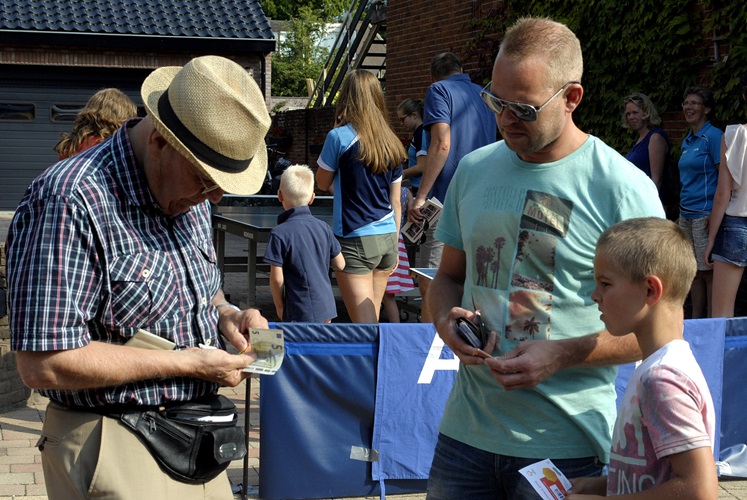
(252, 218)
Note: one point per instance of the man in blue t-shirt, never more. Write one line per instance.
(456, 123)
(300, 250)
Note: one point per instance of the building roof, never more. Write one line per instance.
(137, 21)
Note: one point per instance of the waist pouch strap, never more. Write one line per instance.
(192, 441)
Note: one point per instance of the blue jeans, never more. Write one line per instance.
(461, 471)
(731, 241)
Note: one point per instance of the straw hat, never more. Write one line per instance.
(213, 113)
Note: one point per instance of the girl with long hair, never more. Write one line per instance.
(361, 163)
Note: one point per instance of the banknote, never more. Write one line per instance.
(269, 346)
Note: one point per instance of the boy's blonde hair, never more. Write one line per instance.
(297, 185)
(652, 246)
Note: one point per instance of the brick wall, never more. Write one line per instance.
(308, 128)
(417, 31)
(12, 391)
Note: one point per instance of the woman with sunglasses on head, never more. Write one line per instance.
(727, 230)
(698, 168)
(410, 114)
(361, 163)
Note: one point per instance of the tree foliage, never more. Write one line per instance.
(299, 56)
(328, 10)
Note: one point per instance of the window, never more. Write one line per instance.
(17, 112)
(64, 113)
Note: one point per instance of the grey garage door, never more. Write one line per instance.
(36, 104)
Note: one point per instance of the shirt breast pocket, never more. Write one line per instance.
(143, 290)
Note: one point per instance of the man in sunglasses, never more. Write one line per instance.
(456, 123)
(520, 223)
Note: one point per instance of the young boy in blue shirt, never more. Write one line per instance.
(662, 440)
(300, 251)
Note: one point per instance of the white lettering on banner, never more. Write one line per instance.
(434, 362)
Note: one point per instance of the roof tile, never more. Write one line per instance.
(243, 19)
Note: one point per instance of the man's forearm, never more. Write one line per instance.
(600, 349)
(443, 294)
(98, 365)
(434, 164)
(438, 153)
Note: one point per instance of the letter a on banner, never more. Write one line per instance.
(433, 361)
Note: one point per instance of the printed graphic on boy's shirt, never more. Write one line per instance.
(546, 213)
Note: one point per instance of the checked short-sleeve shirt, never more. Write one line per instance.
(91, 257)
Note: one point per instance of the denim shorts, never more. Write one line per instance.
(697, 232)
(363, 254)
(462, 471)
(731, 241)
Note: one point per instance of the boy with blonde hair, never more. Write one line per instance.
(662, 441)
(300, 250)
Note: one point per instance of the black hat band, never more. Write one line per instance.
(202, 151)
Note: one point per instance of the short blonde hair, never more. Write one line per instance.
(550, 40)
(652, 246)
(297, 185)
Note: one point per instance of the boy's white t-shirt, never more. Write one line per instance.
(667, 409)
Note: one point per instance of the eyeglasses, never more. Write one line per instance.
(694, 104)
(208, 186)
(522, 111)
(402, 118)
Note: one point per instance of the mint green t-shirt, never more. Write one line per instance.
(529, 232)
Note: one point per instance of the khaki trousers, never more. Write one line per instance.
(85, 455)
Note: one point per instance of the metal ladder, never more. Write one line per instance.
(358, 45)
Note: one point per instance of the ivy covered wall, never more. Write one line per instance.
(658, 47)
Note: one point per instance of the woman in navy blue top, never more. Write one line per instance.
(410, 113)
(361, 163)
(649, 151)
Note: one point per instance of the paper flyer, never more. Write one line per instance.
(547, 480)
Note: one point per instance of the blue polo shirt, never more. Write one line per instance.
(701, 154)
(456, 101)
(303, 246)
(361, 198)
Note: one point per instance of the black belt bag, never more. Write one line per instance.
(193, 441)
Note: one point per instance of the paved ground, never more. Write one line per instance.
(21, 475)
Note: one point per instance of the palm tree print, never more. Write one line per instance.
(531, 326)
(483, 260)
(499, 243)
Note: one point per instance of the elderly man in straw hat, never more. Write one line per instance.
(116, 240)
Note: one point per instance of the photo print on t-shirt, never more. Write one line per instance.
(546, 213)
(518, 255)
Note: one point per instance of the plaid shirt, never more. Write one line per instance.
(90, 256)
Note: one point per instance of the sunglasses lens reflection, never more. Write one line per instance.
(523, 112)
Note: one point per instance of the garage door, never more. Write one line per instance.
(36, 105)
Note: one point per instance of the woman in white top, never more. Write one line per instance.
(727, 234)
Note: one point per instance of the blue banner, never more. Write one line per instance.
(415, 373)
